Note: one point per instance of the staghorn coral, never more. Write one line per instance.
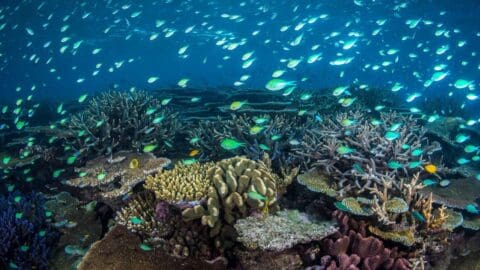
(115, 121)
(139, 216)
(114, 176)
(355, 149)
(27, 237)
(273, 137)
(281, 231)
(183, 183)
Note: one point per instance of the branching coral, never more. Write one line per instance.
(26, 236)
(272, 134)
(115, 175)
(360, 152)
(115, 121)
(282, 230)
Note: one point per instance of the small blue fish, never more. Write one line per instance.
(472, 209)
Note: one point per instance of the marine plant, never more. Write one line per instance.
(27, 236)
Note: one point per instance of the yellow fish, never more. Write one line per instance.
(193, 153)
(237, 105)
(133, 163)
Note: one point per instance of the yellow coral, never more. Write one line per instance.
(405, 237)
(183, 183)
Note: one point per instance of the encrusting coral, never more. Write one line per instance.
(115, 121)
(182, 183)
(282, 230)
(115, 175)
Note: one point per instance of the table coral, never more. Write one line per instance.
(282, 230)
(112, 177)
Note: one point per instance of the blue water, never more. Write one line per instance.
(26, 64)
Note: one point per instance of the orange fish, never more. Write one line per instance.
(193, 153)
(430, 168)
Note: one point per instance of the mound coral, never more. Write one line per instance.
(27, 237)
(114, 176)
(282, 230)
(115, 121)
(228, 200)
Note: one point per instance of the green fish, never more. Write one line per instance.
(149, 148)
(82, 98)
(414, 164)
(392, 135)
(394, 165)
(145, 247)
(344, 150)
(6, 160)
(418, 216)
(135, 220)
(429, 182)
(194, 140)
(462, 161)
(71, 160)
(264, 147)
(472, 209)
(57, 173)
(151, 110)
(256, 196)
(256, 129)
(165, 101)
(461, 138)
(278, 84)
(417, 152)
(101, 176)
(275, 137)
(189, 161)
(358, 168)
(231, 144)
(158, 120)
(470, 148)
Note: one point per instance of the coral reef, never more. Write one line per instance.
(282, 230)
(115, 121)
(27, 238)
(114, 176)
(317, 181)
(182, 183)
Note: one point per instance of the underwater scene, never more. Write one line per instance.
(249, 134)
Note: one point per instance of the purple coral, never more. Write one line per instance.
(162, 211)
(350, 248)
(26, 235)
